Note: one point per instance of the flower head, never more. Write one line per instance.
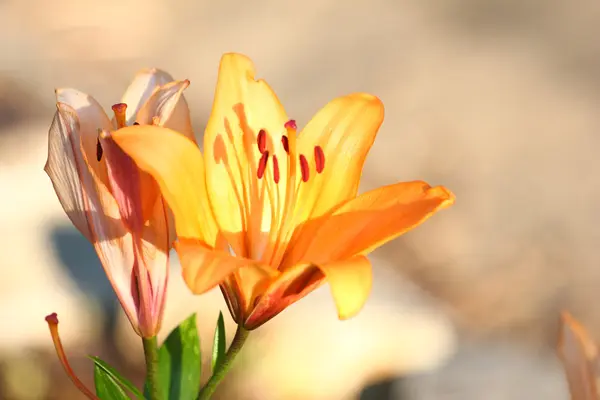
(269, 214)
(114, 204)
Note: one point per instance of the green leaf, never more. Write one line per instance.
(107, 387)
(116, 376)
(180, 363)
(219, 345)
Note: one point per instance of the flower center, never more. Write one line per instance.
(261, 141)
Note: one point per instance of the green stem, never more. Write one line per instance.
(152, 378)
(221, 370)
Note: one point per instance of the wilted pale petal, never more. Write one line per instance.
(64, 164)
(168, 105)
(91, 118)
(141, 88)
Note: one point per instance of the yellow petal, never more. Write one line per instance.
(364, 223)
(91, 118)
(170, 107)
(176, 164)
(578, 354)
(203, 268)
(350, 282)
(345, 130)
(141, 88)
(242, 202)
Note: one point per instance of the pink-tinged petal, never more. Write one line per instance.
(64, 166)
(89, 204)
(130, 188)
(156, 243)
(141, 88)
(92, 118)
(167, 107)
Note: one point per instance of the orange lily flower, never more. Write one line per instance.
(267, 216)
(117, 207)
(579, 355)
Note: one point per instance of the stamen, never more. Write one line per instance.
(291, 124)
(136, 123)
(304, 168)
(99, 150)
(52, 321)
(262, 165)
(319, 159)
(261, 140)
(156, 120)
(286, 144)
(275, 169)
(119, 109)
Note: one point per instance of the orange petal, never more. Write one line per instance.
(344, 130)
(170, 107)
(203, 268)
(241, 201)
(578, 354)
(362, 224)
(91, 118)
(350, 282)
(176, 164)
(141, 88)
(283, 291)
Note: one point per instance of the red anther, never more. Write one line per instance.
(286, 144)
(319, 159)
(291, 124)
(275, 169)
(262, 165)
(261, 140)
(304, 168)
(99, 150)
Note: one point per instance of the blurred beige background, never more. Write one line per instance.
(496, 99)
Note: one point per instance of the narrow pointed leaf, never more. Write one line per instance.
(116, 376)
(107, 388)
(219, 345)
(180, 363)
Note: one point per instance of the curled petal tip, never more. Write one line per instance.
(52, 319)
(441, 192)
